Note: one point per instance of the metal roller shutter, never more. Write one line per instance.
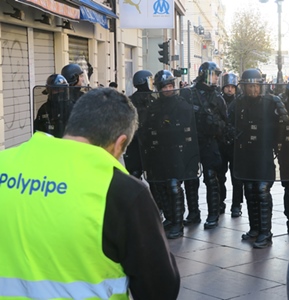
(44, 62)
(16, 93)
(43, 55)
(78, 52)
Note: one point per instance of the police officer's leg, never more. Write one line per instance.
(237, 197)
(285, 184)
(213, 198)
(192, 197)
(238, 191)
(253, 209)
(264, 238)
(155, 188)
(177, 200)
(166, 204)
(222, 182)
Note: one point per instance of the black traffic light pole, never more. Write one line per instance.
(279, 57)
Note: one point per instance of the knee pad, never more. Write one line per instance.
(174, 186)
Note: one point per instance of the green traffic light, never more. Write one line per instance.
(184, 71)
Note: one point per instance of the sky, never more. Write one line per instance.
(268, 11)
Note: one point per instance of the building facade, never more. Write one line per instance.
(39, 37)
(204, 35)
(151, 38)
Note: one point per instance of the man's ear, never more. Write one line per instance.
(119, 146)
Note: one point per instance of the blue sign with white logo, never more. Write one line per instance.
(161, 7)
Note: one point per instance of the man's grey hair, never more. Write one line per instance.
(101, 116)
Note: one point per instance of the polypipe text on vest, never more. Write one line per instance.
(32, 185)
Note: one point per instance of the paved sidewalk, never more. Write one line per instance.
(217, 264)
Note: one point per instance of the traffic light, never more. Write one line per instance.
(177, 72)
(184, 71)
(165, 53)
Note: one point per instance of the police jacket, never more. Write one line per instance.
(210, 111)
(74, 227)
(141, 100)
(257, 135)
(168, 140)
(52, 116)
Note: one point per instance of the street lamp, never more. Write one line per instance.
(279, 57)
(189, 51)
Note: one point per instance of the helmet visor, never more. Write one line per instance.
(150, 82)
(212, 77)
(253, 89)
(83, 79)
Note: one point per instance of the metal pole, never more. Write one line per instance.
(189, 51)
(279, 60)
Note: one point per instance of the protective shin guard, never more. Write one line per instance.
(177, 200)
(166, 205)
(264, 238)
(253, 212)
(223, 190)
(192, 197)
(213, 199)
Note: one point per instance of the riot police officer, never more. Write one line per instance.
(141, 99)
(229, 83)
(53, 114)
(257, 118)
(169, 149)
(76, 79)
(143, 82)
(211, 116)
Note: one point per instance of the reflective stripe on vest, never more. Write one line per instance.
(48, 289)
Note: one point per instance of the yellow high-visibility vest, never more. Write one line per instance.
(52, 199)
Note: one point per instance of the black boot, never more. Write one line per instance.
(192, 196)
(222, 207)
(213, 199)
(177, 199)
(237, 199)
(236, 211)
(253, 212)
(264, 238)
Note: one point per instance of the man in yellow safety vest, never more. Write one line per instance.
(73, 223)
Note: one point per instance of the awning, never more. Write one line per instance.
(56, 8)
(98, 8)
(90, 15)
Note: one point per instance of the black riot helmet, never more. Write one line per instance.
(252, 77)
(163, 78)
(229, 79)
(206, 71)
(72, 72)
(143, 80)
(55, 84)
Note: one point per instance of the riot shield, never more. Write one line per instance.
(283, 146)
(261, 138)
(52, 106)
(132, 157)
(168, 138)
